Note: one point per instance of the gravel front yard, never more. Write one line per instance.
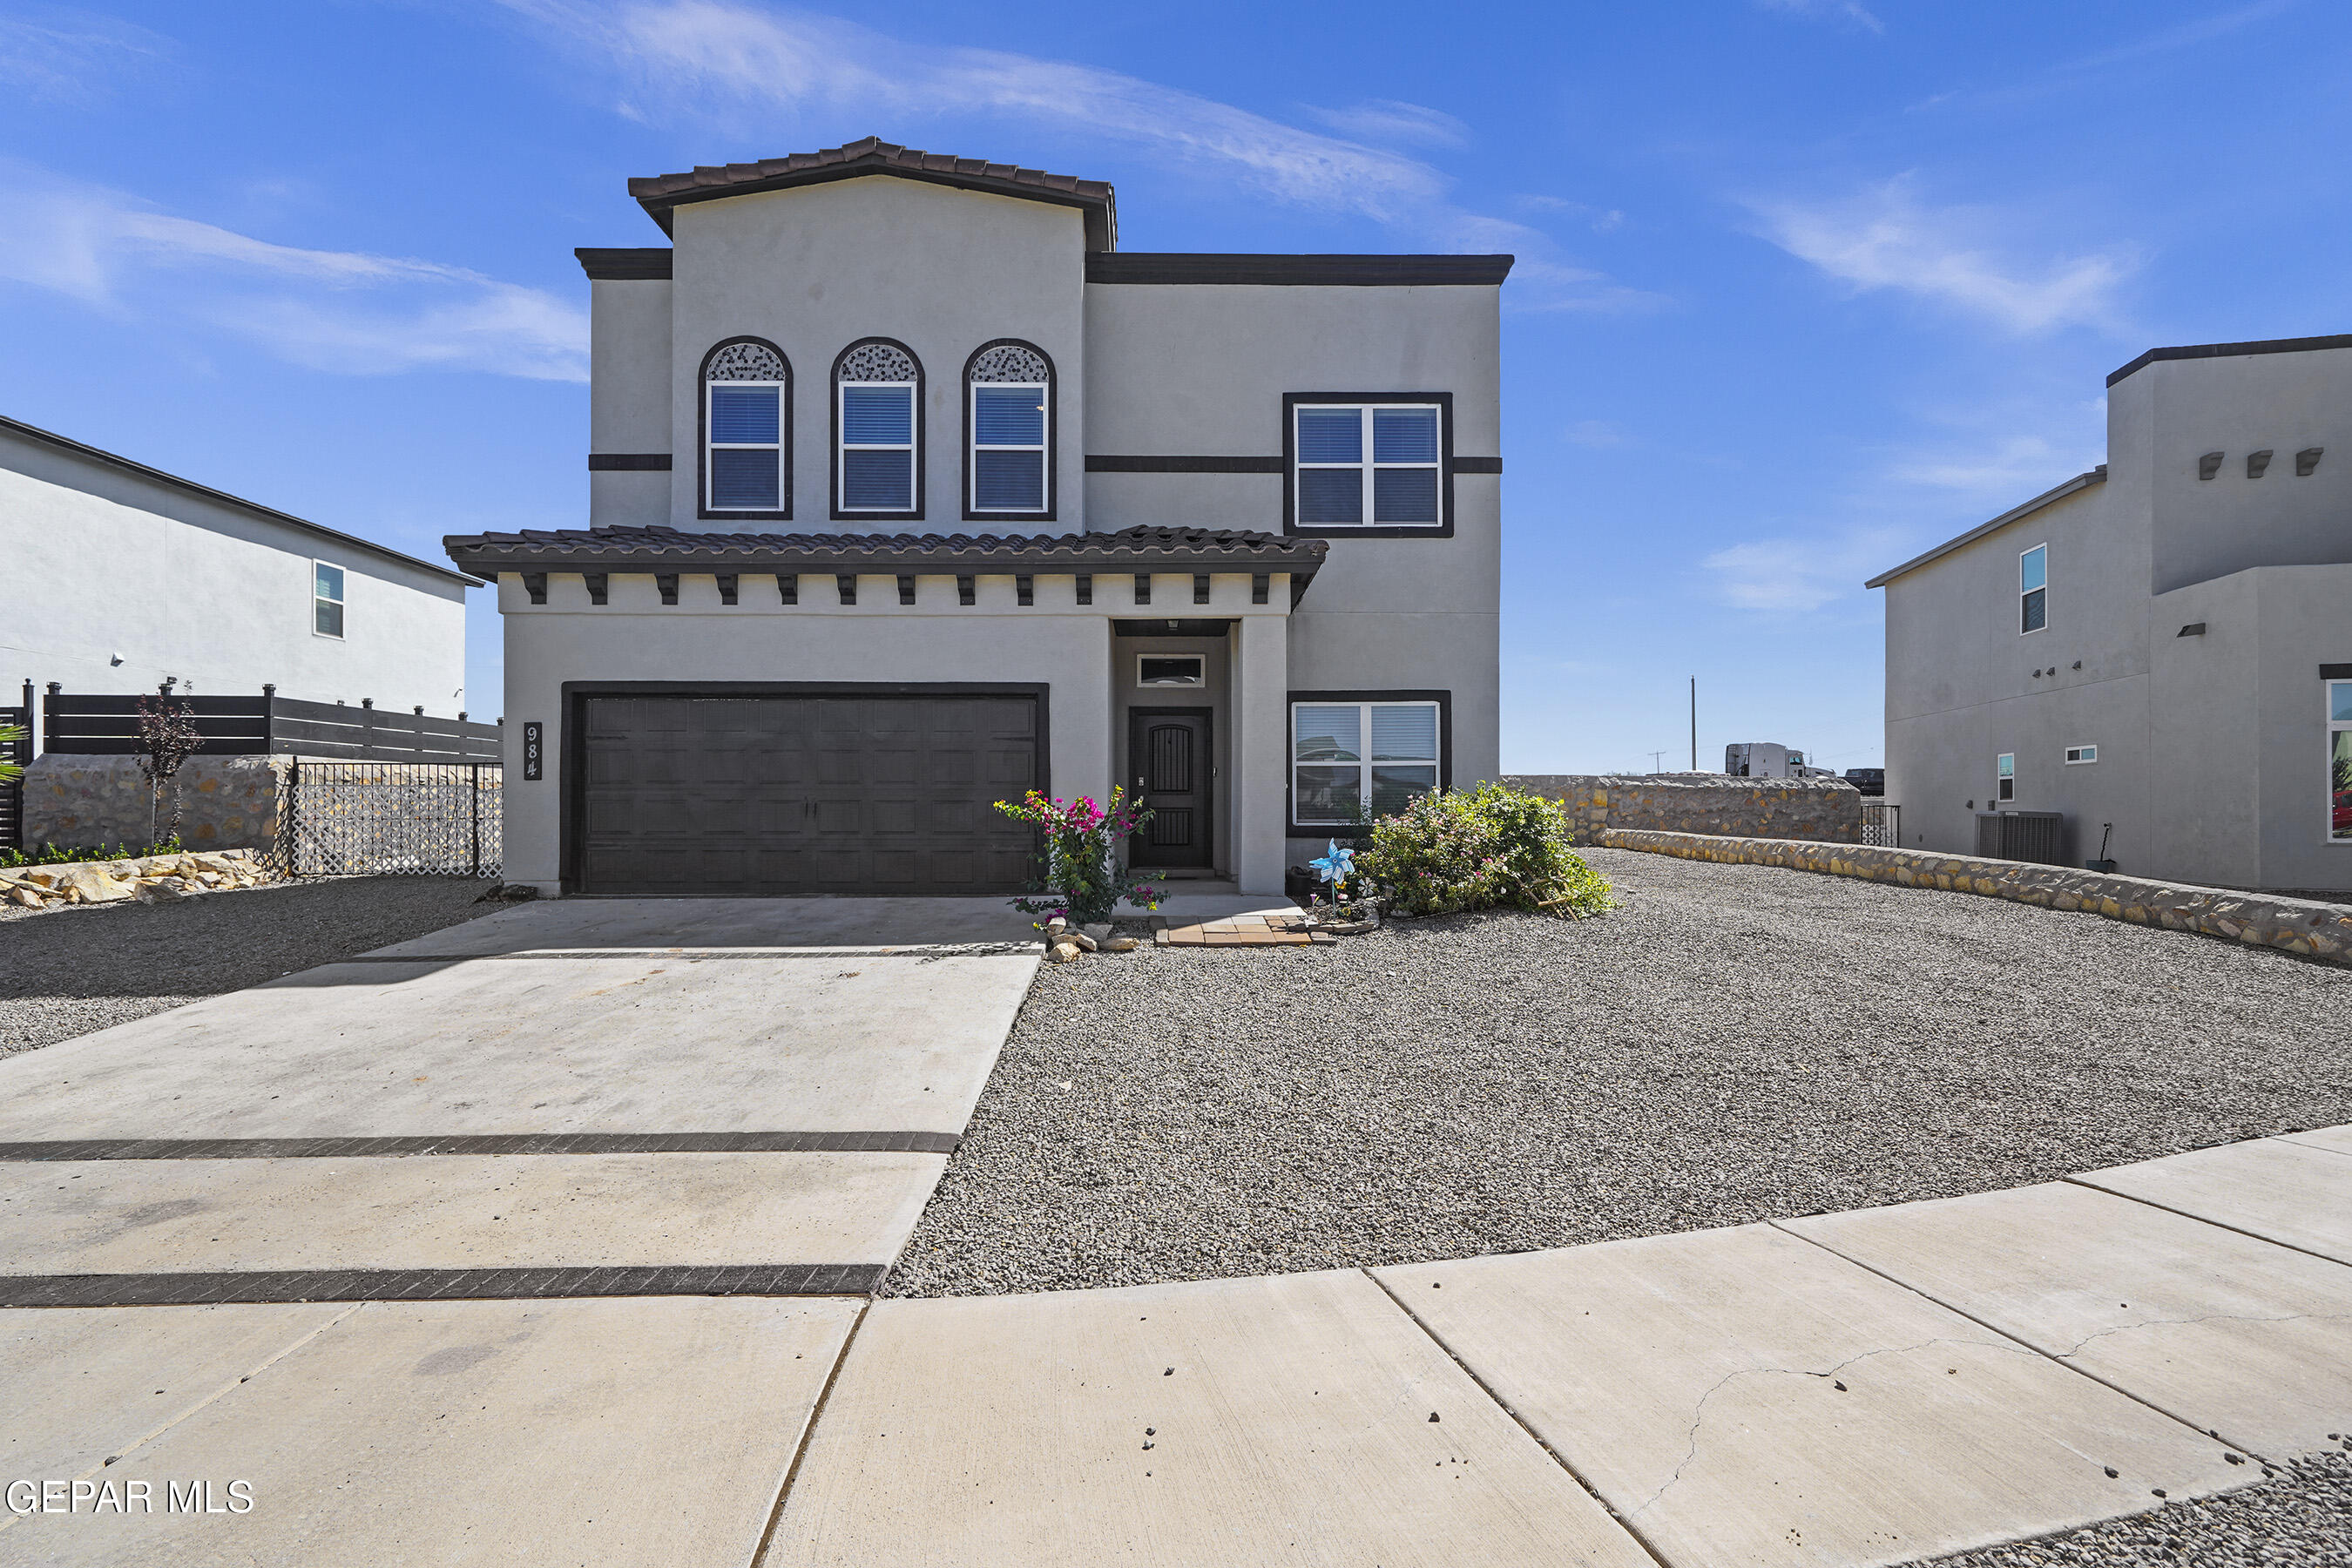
(68, 972)
(2304, 1516)
(1736, 1042)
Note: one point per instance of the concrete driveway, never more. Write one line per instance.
(517, 1210)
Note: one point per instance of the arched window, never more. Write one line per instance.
(877, 424)
(747, 429)
(1008, 415)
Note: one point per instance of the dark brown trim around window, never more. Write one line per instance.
(1052, 436)
(833, 449)
(572, 739)
(702, 438)
(1445, 700)
(1442, 529)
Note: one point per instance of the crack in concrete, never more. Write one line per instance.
(2206, 1317)
(1698, 1412)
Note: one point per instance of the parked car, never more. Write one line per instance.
(1869, 780)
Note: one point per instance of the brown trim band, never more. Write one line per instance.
(645, 264)
(628, 462)
(485, 1143)
(286, 1285)
(1298, 271)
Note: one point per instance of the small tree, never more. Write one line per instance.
(167, 737)
(1081, 879)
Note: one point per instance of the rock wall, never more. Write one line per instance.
(2319, 930)
(93, 803)
(151, 880)
(1826, 810)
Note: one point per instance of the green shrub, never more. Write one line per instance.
(58, 855)
(1487, 848)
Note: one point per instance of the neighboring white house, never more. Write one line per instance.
(2163, 644)
(910, 491)
(122, 577)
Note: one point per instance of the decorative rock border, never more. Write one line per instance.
(151, 878)
(2301, 926)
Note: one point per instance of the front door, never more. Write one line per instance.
(1168, 770)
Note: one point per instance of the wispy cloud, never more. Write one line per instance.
(1796, 575)
(738, 62)
(346, 312)
(1597, 433)
(68, 56)
(1601, 220)
(1887, 238)
(1386, 120)
(1847, 11)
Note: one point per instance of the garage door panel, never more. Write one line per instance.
(836, 793)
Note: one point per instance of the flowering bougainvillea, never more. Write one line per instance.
(1081, 879)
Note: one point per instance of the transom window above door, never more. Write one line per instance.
(1350, 760)
(878, 421)
(1368, 465)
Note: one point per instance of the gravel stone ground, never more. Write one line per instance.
(90, 967)
(2302, 1516)
(1735, 1043)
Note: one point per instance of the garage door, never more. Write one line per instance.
(754, 796)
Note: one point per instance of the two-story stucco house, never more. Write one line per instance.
(2163, 644)
(911, 492)
(121, 577)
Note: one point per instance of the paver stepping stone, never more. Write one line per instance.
(1742, 1396)
(452, 1433)
(1284, 1420)
(2232, 1334)
(427, 1211)
(540, 1045)
(2282, 1190)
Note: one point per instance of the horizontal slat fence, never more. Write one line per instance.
(96, 724)
(12, 795)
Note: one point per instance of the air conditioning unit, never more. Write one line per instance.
(2036, 836)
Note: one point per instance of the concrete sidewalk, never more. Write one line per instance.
(530, 1191)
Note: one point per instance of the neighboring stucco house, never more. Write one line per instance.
(2164, 643)
(911, 492)
(121, 577)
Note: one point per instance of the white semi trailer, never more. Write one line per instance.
(1765, 759)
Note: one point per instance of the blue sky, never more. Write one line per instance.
(1805, 285)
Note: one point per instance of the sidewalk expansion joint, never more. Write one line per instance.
(1624, 1523)
(296, 1285)
(808, 1434)
(900, 1143)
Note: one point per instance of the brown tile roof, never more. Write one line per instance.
(658, 193)
(669, 549)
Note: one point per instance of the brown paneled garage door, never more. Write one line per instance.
(750, 795)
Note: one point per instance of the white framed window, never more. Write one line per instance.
(2339, 761)
(1171, 669)
(1009, 418)
(1373, 465)
(326, 600)
(878, 420)
(2033, 589)
(1354, 760)
(746, 430)
(2004, 769)
(2078, 755)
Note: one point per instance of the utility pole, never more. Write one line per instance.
(1657, 761)
(1694, 723)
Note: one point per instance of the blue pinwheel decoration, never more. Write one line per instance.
(1336, 866)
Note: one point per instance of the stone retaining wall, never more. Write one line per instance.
(1823, 810)
(2313, 930)
(95, 802)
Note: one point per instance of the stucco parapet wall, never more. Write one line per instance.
(1827, 810)
(669, 549)
(2300, 926)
